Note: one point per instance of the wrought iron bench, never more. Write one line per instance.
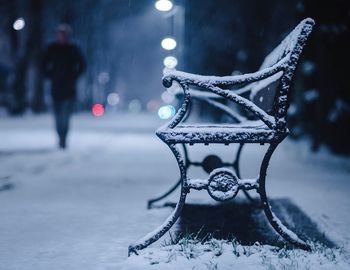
(268, 93)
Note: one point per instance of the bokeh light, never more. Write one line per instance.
(167, 97)
(135, 106)
(152, 105)
(165, 112)
(19, 24)
(98, 110)
(163, 5)
(113, 99)
(168, 44)
(103, 77)
(170, 62)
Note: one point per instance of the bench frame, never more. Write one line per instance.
(223, 183)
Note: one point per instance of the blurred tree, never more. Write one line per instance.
(327, 116)
(16, 101)
(25, 47)
(34, 47)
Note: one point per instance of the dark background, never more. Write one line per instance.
(121, 37)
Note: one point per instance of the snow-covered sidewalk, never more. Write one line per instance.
(80, 208)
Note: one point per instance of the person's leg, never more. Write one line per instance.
(65, 118)
(57, 109)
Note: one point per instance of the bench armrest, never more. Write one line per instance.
(225, 94)
(205, 81)
(213, 86)
(213, 100)
(246, 103)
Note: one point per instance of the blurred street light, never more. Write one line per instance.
(19, 24)
(165, 112)
(170, 62)
(113, 99)
(163, 5)
(168, 44)
(135, 106)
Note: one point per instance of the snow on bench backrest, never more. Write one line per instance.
(292, 44)
(264, 92)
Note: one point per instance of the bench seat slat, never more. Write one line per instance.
(228, 133)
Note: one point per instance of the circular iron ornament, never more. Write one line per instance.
(223, 184)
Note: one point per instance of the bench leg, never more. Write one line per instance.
(238, 173)
(166, 194)
(272, 218)
(174, 187)
(169, 222)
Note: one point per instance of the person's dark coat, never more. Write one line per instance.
(63, 64)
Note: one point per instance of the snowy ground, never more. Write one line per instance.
(80, 208)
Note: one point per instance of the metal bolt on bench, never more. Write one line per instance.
(268, 90)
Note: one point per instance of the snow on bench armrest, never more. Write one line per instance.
(205, 81)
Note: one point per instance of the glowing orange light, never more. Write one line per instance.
(98, 110)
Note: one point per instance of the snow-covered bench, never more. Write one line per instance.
(265, 94)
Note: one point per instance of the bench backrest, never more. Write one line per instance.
(272, 94)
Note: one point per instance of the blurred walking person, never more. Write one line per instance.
(63, 63)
